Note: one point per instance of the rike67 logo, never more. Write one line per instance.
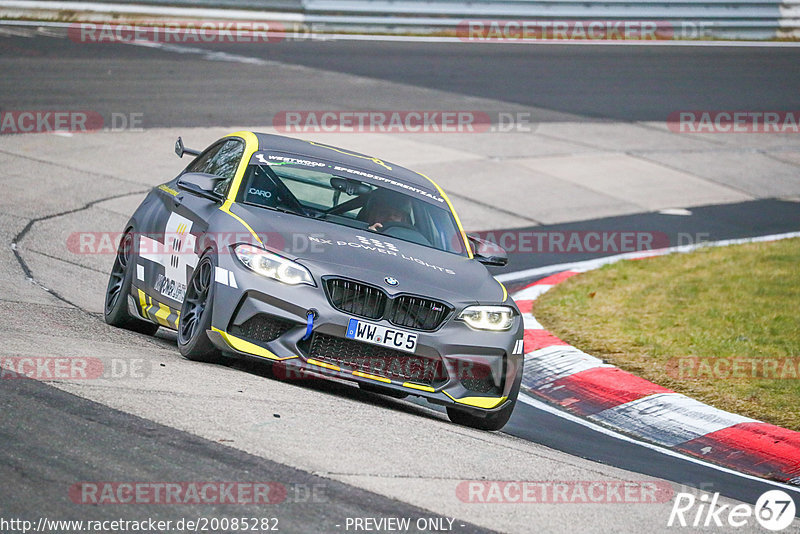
(774, 510)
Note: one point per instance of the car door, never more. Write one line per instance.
(183, 219)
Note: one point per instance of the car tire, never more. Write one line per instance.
(196, 312)
(115, 309)
(493, 421)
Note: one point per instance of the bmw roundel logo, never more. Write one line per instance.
(391, 281)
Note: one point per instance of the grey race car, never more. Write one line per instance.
(324, 261)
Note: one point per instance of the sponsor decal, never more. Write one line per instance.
(260, 192)
(424, 263)
(176, 259)
(383, 179)
(381, 247)
(170, 288)
(371, 241)
(272, 159)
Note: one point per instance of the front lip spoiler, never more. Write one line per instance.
(245, 348)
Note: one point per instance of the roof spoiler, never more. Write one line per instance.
(180, 150)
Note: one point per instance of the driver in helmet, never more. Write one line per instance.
(386, 207)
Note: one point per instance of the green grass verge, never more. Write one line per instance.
(721, 325)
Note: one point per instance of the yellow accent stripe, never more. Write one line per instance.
(167, 189)
(377, 161)
(250, 148)
(479, 402)
(143, 302)
(250, 348)
(323, 364)
(162, 314)
(453, 211)
(226, 207)
(418, 386)
(372, 377)
(149, 310)
(505, 291)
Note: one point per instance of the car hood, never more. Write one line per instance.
(331, 249)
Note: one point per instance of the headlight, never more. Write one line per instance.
(488, 317)
(273, 266)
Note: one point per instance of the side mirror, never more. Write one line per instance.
(201, 184)
(488, 253)
(180, 150)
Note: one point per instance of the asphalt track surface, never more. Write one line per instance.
(56, 438)
(557, 81)
(707, 223)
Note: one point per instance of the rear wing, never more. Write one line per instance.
(180, 150)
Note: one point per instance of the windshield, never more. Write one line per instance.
(319, 194)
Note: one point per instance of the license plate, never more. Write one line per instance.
(381, 335)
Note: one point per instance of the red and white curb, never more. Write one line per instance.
(585, 386)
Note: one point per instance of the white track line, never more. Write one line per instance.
(591, 264)
(599, 262)
(543, 406)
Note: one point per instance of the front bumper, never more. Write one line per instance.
(453, 365)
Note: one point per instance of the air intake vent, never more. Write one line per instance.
(418, 312)
(356, 298)
(262, 327)
(378, 361)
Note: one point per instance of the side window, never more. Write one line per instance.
(203, 161)
(221, 160)
(225, 162)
